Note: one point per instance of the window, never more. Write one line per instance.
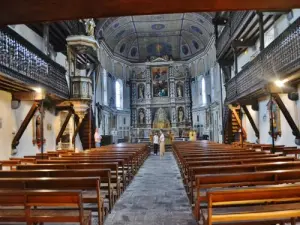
(119, 96)
(105, 88)
(203, 92)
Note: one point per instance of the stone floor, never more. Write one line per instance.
(156, 196)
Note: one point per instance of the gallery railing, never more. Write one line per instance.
(236, 21)
(20, 60)
(276, 61)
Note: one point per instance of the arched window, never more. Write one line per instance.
(203, 92)
(105, 102)
(119, 94)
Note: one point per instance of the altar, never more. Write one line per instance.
(160, 99)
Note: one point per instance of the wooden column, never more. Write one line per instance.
(63, 127)
(261, 30)
(287, 115)
(251, 120)
(24, 125)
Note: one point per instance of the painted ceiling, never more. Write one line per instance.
(136, 38)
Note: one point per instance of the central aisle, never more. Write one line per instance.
(156, 196)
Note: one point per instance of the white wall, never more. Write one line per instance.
(251, 137)
(12, 120)
(6, 130)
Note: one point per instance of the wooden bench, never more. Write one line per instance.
(115, 181)
(29, 201)
(254, 205)
(78, 183)
(207, 181)
(104, 174)
(11, 164)
(245, 168)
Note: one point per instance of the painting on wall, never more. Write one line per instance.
(160, 81)
(274, 115)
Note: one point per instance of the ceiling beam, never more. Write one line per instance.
(20, 11)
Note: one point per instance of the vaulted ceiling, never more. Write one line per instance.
(136, 38)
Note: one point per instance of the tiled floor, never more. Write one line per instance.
(155, 197)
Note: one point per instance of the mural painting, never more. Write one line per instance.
(160, 81)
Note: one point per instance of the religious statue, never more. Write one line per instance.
(179, 91)
(89, 26)
(161, 119)
(141, 116)
(141, 91)
(274, 115)
(180, 115)
(99, 114)
(37, 131)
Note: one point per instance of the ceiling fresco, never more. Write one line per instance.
(136, 38)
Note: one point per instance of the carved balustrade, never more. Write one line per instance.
(21, 60)
(276, 61)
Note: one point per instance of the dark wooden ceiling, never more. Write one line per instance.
(30, 11)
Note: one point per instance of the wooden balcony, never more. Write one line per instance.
(236, 21)
(23, 62)
(279, 60)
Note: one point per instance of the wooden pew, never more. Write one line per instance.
(254, 205)
(104, 174)
(244, 168)
(115, 181)
(207, 181)
(10, 163)
(29, 201)
(78, 183)
(122, 162)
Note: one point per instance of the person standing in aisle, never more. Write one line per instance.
(155, 143)
(97, 138)
(162, 144)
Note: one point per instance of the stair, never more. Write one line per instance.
(232, 126)
(84, 131)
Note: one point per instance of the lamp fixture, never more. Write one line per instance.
(279, 83)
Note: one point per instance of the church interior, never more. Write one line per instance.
(86, 93)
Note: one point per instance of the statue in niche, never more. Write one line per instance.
(274, 115)
(161, 119)
(141, 94)
(179, 91)
(180, 115)
(37, 131)
(99, 113)
(141, 116)
(89, 26)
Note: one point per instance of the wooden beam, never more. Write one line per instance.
(20, 11)
(251, 120)
(63, 127)
(24, 124)
(287, 115)
(28, 96)
(77, 130)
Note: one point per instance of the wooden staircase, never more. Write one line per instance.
(84, 131)
(233, 125)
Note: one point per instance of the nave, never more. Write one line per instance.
(156, 196)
